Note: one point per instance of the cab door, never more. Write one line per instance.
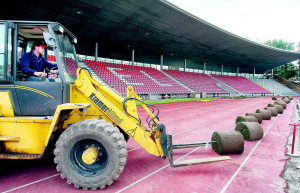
(6, 58)
(36, 98)
(39, 98)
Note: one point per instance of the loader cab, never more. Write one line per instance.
(36, 98)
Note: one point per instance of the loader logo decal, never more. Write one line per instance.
(132, 132)
(109, 112)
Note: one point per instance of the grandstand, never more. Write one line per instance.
(199, 82)
(144, 80)
(243, 84)
(149, 81)
(277, 88)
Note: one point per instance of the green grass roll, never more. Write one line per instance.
(228, 142)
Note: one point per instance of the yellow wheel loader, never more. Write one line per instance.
(77, 114)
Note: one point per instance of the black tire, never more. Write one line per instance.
(83, 134)
(125, 135)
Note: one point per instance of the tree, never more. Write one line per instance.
(288, 70)
(280, 44)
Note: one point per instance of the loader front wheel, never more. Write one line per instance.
(91, 154)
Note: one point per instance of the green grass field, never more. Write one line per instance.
(174, 100)
(187, 99)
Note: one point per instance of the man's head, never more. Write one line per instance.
(38, 47)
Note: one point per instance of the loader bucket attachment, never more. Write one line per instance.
(173, 163)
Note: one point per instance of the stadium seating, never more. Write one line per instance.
(242, 84)
(152, 81)
(144, 80)
(275, 87)
(197, 81)
(70, 64)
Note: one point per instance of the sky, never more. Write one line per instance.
(259, 20)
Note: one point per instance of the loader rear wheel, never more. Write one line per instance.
(107, 154)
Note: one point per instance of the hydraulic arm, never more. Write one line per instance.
(123, 112)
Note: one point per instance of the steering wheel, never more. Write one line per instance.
(48, 71)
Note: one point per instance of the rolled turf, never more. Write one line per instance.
(228, 142)
(279, 107)
(257, 115)
(246, 119)
(266, 114)
(286, 99)
(250, 130)
(274, 111)
(281, 102)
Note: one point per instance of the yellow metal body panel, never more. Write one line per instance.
(110, 103)
(9, 138)
(90, 155)
(59, 113)
(6, 107)
(32, 133)
(131, 104)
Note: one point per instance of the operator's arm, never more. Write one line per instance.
(25, 65)
(48, 64)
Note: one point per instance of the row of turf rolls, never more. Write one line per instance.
(247, 128)
(249, 125)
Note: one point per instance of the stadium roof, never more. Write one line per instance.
(152, 28)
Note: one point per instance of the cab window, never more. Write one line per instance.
(2, 49)
(27, 35)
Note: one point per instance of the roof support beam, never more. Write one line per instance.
(237, 70)
(96, 51)
(272, 75)
(161, 62)
(222, 69)
(184, 65)
(204, 68)
(132, 58)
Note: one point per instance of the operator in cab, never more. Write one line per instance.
(33, 63)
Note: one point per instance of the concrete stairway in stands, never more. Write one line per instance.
(222, 86)
(185, 86)
(227, 85)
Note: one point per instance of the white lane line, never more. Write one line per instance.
(31, 183)
(244, 162)
(134, 149)
(154, 172)
(130, 185)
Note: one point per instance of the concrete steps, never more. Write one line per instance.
(227, 85)
(185, 86)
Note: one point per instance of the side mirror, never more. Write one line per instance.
(50, 41)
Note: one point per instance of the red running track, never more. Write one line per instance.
(258, 169)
